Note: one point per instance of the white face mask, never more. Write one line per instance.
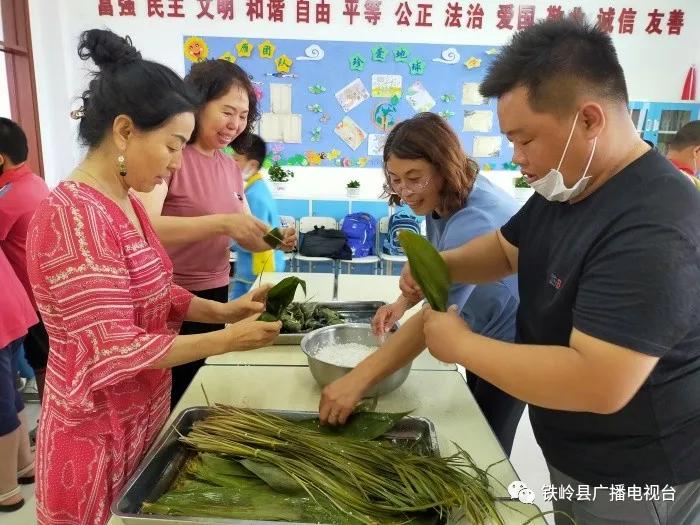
(552, 186)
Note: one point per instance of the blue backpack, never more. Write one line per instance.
(399, 221)
(360, 230)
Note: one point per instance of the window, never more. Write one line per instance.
(17, 85)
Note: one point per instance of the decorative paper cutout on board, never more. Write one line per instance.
(375, 144)
(447, 98)
(314, 158)
(244, 48)
(384, 117)
(446, 114)
(362, 162)
(315, 108)
(401, 54)
(281, 128)
(379, 54)
(317, 89)
(489, 146)
(478, 120)
(281, 75)
(417, 67)
(277, 150)
(473, 63)
(350, 133)
(352, 95)
(266, 49)
(291, 128)
(314, 52)
(419, 98)
(357, 62)
(281, 98)
(386, 86)
(492, 51)
(323, 119)
(283, 64)
(196, 49)
(228, 57)
(270, 128)
(333, 154)
(471, 95)
(449, 56)
(257, 87)
(316, 134)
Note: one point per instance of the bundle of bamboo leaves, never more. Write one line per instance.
(300, 471)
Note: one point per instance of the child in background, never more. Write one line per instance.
(249, 158)
(21, 192)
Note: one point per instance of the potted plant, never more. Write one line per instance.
(521, 189)
(353, 188)
(279, 177)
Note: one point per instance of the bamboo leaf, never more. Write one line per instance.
(281, 295)
(224, 466)
(274, 476)
(428, 268)
(273, 238)
(364, 426)
(255, 505)
(267, 317)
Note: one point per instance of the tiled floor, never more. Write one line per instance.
(24, 516)
(526, 458)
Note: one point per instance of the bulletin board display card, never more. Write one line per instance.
(332, 103)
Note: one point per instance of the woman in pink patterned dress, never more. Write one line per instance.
(103, 284)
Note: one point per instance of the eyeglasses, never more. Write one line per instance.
(414, 186)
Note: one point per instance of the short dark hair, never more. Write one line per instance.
(687, 136)
(147, 92)
(556, 60)
(429, 137)
(255, 149)
(13, 141)
(213, 79)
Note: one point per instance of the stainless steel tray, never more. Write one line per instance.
(353, 311)
(161, 466)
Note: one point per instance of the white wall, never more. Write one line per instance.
(655, 66)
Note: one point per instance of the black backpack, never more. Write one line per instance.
(325, 243)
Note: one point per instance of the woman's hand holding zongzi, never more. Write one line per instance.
(289, 239)
(249, 304)
(250, 334)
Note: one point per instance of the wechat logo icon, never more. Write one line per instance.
(518, 490)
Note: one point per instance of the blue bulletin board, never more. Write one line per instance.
(331, 103)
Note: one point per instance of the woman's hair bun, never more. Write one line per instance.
(106, 49)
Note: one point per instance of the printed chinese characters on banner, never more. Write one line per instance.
(664, 20)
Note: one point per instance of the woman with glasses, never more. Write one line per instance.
(426, 168)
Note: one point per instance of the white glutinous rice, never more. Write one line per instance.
(346, 354)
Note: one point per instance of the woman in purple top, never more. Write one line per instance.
(202, 206)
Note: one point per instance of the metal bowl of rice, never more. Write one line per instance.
(333, 351)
